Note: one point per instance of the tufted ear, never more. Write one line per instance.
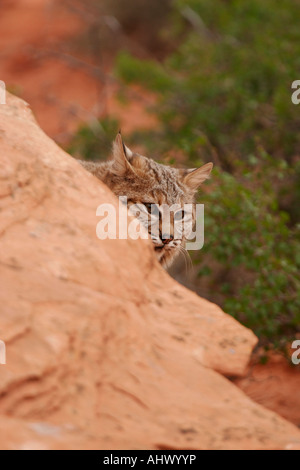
(195, 177)
(121, 156)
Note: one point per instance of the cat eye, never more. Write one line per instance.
(151, 208)
(179, 215)
(148, 206)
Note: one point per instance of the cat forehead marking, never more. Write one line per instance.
(165, 185)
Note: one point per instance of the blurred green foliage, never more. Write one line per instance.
(93, 141)
(248, 236)
(224, 94)
(230, 78)
(113, 24)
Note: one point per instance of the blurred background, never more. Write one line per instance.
(188, 81)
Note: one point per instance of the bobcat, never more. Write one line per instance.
(152, 185)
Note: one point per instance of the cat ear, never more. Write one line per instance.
(195, 177)
(128, 152)
(121, 155)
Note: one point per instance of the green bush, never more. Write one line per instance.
(249, 238)
(231, 77)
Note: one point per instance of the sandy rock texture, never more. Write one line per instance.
(103, 349)
(275, 385)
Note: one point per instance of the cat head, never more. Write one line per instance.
(152, 188)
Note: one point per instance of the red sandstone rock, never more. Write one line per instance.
(275, 385)
(104, 349)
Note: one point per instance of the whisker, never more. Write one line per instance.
(184, 257)
(187, 259)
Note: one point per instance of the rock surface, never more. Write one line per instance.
(275, 385)
(103, 349)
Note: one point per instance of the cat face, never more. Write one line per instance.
(161, 197)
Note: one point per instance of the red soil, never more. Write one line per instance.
(61, 88)
(275, 385)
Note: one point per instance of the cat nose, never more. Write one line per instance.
(167, 238)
